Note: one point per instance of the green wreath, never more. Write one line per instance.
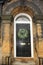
(23, 33)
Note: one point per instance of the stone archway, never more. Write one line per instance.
(18, 7)
(19, 3)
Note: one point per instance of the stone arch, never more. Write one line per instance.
(19, 3)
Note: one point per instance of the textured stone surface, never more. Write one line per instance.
(23, 63)
(0, 55)
(6, 40)
(6, 45)
(29, 4)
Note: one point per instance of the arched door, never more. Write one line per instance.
(23, 35)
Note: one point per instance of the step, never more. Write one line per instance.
(20, 63)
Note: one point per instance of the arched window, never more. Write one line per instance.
(23, 35)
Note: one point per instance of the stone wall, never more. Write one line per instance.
(7, 28)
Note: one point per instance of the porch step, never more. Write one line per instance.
(20, 63)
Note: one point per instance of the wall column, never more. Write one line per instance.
(39, 46)
(6, 37)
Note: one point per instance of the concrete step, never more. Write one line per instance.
(20, 63)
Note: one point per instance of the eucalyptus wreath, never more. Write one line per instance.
(23, 33)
